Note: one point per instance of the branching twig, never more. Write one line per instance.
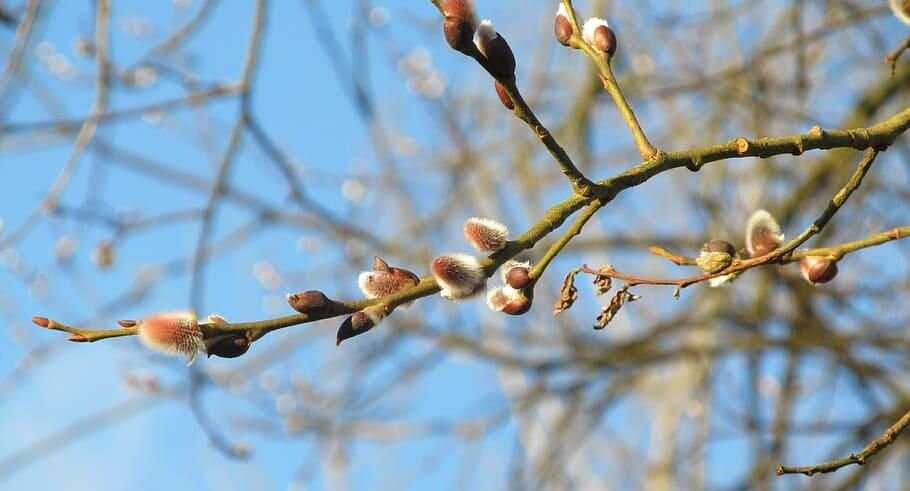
(869, 451)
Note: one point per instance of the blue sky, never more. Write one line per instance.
(301, 104)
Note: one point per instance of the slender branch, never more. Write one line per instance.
(777, 256)
(869, 451)
(602, 61)
(566, 237)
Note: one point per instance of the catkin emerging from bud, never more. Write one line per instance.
(763, 234)
(818, 269)
(562, 27)
(359, 323)
(715, 256)
(598, 34)
(508, 300)
(496, 50)
(459, 275)
(516, 274)
(485, 234)
(385, 280)
(901, 9)
(172, 333)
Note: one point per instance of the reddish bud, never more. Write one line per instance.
(312, 302)
(459, 276)
(562, 27)
(41, 321)
(508, 300)
(818, 269)
(457, 8)
(763, 234)
(598, 34)
(517, 275)
(77, 338)
(228, 346)
(503, 96)
(459, 33)
(359, 323)
(126, 323)
(496, 50)
(385, 280)
(172, 333)
(486, 235)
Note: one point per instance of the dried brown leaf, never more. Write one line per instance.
(567, 293)
(610, 310)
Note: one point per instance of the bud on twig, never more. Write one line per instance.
(562, 27)
(385, 280)
(311, 302)
(818, 269)
(485, 234)
(459, 275)
(172, 333)
(763, 234)
(458, 25)
(227, 346)
(716, 256)
(41, 321)
(597, 33)
(516, 274)
(359, 323)
(508, 300)
(127, 323)
(503, 96)
(496, 50)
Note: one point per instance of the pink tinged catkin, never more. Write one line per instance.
(485, 234)
(459, 276)
(763, 234)
(172, 333)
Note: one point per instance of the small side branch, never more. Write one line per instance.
(869, 451)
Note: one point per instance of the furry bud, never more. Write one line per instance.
(818, 269)
(228, 346)
(172, 333)
(486, 235)
(496, 50)
(459, 276)
(901, 9)
(763, 234)
(598, 34)
(508, 300)
(562, 27)
(716, 255)
(312, 302)
(503, 96)
(385, 280)
(359, 323)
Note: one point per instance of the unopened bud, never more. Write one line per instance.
(818, 269)
(459, 33)
(716, 256)
(41, 321)
(77, 338)
(227, 346)
(516, 274)
(485, 234)
(763, 234)
(172, 333)
(496, 50)
(598, 34)
(127, 323)
(359, 323)
(503, 96)
(459, 276)
(311, 302)
(562, 27)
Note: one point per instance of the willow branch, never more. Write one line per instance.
(869, 451)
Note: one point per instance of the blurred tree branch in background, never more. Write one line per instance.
(220, 166)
